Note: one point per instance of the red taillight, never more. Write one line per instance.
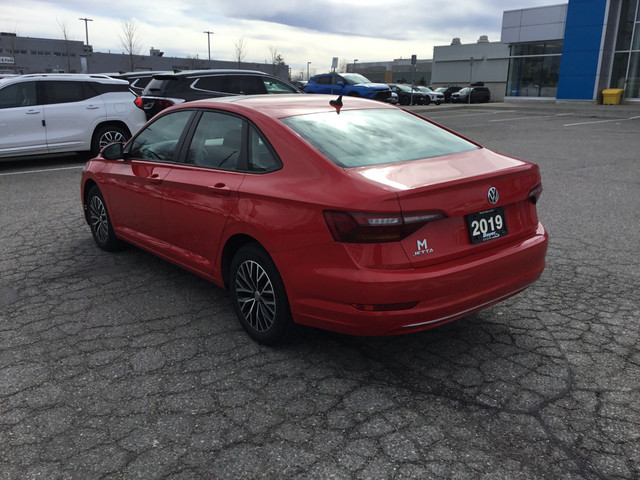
(360, 227)
(143, 104)
(534, 194)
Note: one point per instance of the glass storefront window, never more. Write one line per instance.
(534, 69)
(627, 22)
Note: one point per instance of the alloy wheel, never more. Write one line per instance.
(255, 296)
(98, 219)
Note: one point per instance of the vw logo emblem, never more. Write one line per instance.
(493, 195)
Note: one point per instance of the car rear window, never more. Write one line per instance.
(357, 138)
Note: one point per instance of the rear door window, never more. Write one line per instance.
(67, 92)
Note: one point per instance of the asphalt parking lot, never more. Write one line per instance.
(124, 366)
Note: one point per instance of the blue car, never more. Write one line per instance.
(350, 84)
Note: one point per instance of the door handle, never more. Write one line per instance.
(32, 112)
(220, 189)
(155, 179)
(92, 107)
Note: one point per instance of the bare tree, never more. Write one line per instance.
(344, 63)
(240, 50)
(64, 29)
(130, 42)
(277, 60)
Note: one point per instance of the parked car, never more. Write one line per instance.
(478, 95)
(138, 81)
(305, 208)
(447, 91)
(434, 97)
(407, 96)
(59, 113)
(301, 84)
(168, 89)
(349, 84)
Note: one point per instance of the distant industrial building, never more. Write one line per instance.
(24, 55)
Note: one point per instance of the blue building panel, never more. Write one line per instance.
(581, 49)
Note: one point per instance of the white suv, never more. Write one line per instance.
(58, 113)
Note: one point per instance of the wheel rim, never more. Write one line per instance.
(98, 219)
(255, 296)
(112, 136)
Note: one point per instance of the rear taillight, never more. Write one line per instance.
(360, 227)
(143, 104)
(535, 192)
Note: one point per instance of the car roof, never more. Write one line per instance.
(284, 105)
(76, 77)
(189, 73)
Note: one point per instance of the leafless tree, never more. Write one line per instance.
(240, 50)
(64, 29)
(130, 42)
(277, 60)
(344, 63)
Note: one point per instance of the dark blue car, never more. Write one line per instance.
(350, 84)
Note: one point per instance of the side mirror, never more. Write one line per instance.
(340, 84)
(113, 151)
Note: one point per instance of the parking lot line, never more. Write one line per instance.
(521, 118)
(601, 121)
(484, 112)
(40, 171)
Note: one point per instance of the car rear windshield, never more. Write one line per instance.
(358, 138)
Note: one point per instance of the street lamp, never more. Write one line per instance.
(470, 79)
(308, 63)
(209, 44)
(354, 64)
(86, 29)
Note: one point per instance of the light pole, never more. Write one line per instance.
(470, 79)
(308, 63)
(209, 44)
(86, 29)
(354, 64)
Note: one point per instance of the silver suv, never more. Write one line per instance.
(59, 113)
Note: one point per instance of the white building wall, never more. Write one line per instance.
(452, 65)
(534, 24)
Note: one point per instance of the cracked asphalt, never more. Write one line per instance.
(122, 366)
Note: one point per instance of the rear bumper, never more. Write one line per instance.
(323, 293)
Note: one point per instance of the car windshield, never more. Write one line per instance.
(355, 79)
(404, 88)
(441, 89)
(465, 90)
(357, 138)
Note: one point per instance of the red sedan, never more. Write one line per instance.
(344, 214)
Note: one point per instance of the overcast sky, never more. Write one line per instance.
(301, 30)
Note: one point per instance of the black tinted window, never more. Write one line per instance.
(245, 85)
(18, 95)
(211, 84)
(66, 92)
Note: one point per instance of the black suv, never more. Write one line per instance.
(168, 89)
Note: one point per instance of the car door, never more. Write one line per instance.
(202, 190)
(22, 130)
(72, 110)
(135, 186)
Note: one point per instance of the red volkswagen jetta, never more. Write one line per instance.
(344, 214)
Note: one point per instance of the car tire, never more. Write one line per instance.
(404, 101)
(353, 94)
(438, 103)
(100, 222)
(105, 135)
(259, 296)
(427, 101)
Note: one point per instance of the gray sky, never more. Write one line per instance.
(301, 30)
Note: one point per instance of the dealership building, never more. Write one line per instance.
(566, 52)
